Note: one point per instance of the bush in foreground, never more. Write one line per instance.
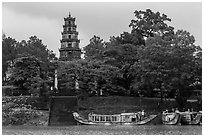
(14, 114)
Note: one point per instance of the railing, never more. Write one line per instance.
(114, 118)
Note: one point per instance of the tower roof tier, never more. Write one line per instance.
(70, 49)
(70, 40)
(70, 32)
(69, 18)
(69, 25)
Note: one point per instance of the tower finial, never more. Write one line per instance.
(69, 14)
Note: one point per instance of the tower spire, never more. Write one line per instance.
(69, 14)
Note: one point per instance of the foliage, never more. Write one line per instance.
(26, 75)
(33, 47)
(91, 75)
(133, 38)
(172, 64)
(152, 55)
(149, 23)
(8, 53)
(15, 111)
(19, 116)
(38, 103)
(95, 49)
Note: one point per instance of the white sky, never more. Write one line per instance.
(22, 20)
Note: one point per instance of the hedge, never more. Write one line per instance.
(39, 103)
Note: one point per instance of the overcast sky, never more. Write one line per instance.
(45, 20)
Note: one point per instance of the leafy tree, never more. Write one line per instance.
(21, 51)
(184, 61)
(8, 53)
(35, 47)
(127, 38)
(172, 64)
(92, 76)
(26, 75)
(122, 51)
(122, 56)
(94, 50)
(149, 24)
(151, 56)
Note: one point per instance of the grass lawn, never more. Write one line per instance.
(103, 130)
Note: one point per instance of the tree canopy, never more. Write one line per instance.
(149, 23)
(152, 56)
(29, 58)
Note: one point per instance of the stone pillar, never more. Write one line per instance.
(56, 82)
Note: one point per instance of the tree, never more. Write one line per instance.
(123, 51)
(149, 24)
(35, 47)
(184, 62)
(122, 56)
(94, 50)
(27, 52)
(26, 75)
(120, 52)
(133, 38)
(9, 53)
(91, 75)
(172, 64)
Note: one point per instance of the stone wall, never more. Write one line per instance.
(61, 108)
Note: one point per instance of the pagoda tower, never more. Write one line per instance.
(69, 43)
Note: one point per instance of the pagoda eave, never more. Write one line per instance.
(70, 32)
(70, 40)
(69, 25)
(69, 49)
(69, 18)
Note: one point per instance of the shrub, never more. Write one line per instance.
(33, 102)
(8, 90)
(19, 110)
(14, 114)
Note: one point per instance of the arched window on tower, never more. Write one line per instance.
(70, 36)
(69, 28)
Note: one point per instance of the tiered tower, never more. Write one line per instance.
(70, 43)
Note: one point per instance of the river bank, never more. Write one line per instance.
(102, 105)
(103, 130)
